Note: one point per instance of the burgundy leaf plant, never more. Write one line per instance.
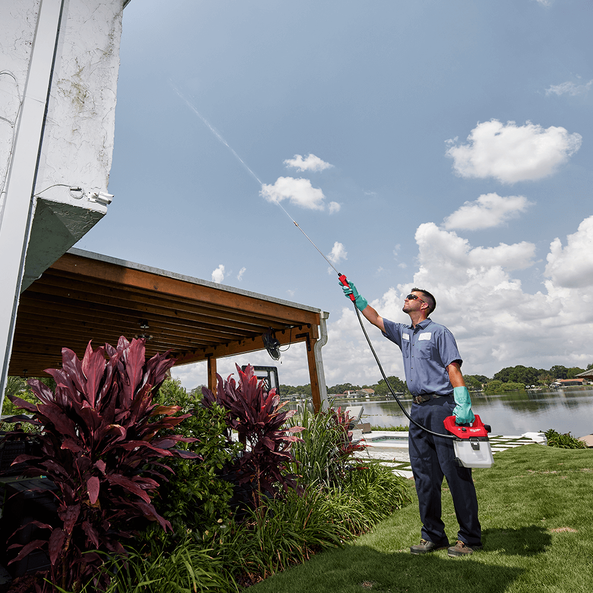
(101, 445)
(258, 417)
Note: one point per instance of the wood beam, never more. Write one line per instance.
(212, 374)
(245, 346)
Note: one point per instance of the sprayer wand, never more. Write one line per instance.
(344, 281)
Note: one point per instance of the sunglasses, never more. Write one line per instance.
(413, 297)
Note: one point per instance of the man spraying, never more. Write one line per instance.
(433, 374)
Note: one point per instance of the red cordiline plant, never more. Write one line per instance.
(100, 433)
(258, 418)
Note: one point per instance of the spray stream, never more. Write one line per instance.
(220, 138)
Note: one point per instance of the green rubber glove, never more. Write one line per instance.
(463, 410)
(360, 302)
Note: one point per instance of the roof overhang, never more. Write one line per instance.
(85, 296)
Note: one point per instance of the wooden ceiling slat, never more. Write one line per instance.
(146, 304)
(41, 306)
(157, 284)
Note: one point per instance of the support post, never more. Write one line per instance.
(19, 202)
(212, 374)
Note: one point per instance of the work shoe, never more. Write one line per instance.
(462, 549)
(425, 546)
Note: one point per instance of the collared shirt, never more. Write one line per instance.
(427, 349)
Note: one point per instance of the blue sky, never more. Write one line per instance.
(446, 145)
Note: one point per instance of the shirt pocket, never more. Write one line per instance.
(423, 349)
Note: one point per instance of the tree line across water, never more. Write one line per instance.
(508, 379)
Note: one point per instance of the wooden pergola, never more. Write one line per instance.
(85, 296)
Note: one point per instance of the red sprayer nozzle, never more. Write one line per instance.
(342, 278)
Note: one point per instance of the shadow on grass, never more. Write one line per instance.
(359, 568)
(525, 541)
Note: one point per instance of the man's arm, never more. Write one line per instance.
(362, 305)
(374, 317)
(463, 409)
(455, 375)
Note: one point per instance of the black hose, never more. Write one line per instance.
(364, 331)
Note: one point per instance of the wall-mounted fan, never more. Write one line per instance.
(272, 345)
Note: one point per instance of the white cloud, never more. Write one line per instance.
(338, 253)
(572, 266)
(512, 153)
(569, 88)
(334, 207)
(309, 163)
(241, 272)
(191, 375)
(218, 274)
(456, 259)
(489, 210)
(298, 191)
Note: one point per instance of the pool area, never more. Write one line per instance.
(386, 439)
(391, 447)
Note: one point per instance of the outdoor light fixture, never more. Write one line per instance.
(100, 197)
(144, 327)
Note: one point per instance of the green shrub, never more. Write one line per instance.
(497, 387)
(563, 441)
(281, 533)
(325, 449)
(400, 428)
(196, 498)
(188, 568)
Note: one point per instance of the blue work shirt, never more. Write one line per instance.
(427, 349)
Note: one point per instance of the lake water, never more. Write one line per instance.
(510, 414)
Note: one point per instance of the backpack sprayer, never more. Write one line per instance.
(470, 442)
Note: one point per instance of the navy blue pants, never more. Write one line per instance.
(432, 458)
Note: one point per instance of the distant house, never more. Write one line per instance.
(587, 375)
(568, 382)
(368, 391)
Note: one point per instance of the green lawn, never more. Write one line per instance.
(536, 510)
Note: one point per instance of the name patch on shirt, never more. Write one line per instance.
(406, 337)
(424, 336)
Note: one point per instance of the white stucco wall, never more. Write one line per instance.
(79, 133)
(78, 139)
(57, 122)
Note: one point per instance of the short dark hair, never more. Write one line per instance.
(430, 300)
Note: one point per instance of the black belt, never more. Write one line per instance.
(420, 399)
